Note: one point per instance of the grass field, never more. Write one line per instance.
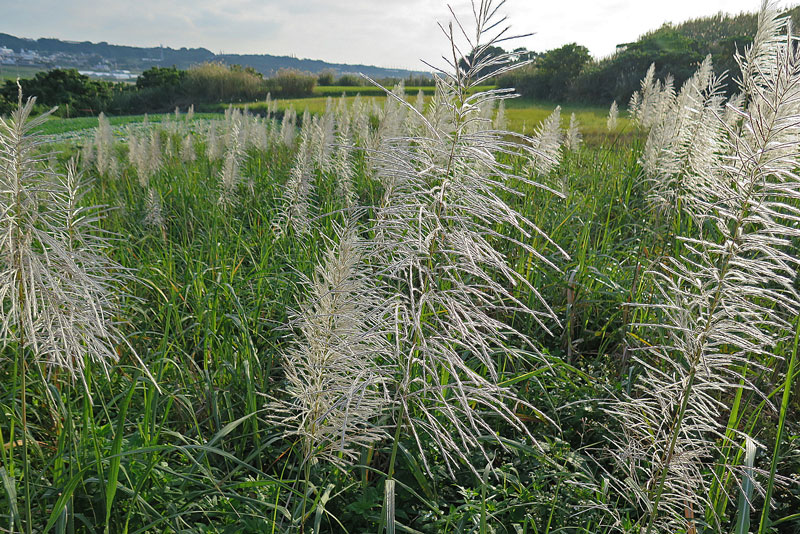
(371, 90)
(57, 125)
(12, 72)
(198, 447)
(378, 322)
(523, 115)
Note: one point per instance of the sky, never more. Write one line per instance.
(386, 33)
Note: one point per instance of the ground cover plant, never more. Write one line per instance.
(401, 315)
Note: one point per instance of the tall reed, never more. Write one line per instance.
(725, 302)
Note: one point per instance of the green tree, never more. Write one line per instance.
(161, 77)
(489, 52)
(74, 93)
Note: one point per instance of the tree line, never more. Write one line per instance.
(569, 73)
(157, 89)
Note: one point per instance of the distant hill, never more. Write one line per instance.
(52, 53)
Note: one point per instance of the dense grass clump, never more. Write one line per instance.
(410, 314)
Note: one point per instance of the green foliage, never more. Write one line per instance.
(465, 63)
(326, 77)
(618, 77)
(74, 93)
(552, 75)
(569, 74)
(161, 77)
(217, 82)
(350, 80)
(289, 83)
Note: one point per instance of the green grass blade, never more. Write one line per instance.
(776, 453)
(113, 472)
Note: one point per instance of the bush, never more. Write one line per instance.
(290, 83)
(350, 80)
(74, 93)
(326, 77)
(217, 82)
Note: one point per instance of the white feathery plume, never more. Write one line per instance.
(500, 121)
(103, 144)
(154, 215)
(143, 155)
(230, 176)
(342, 164)
(547, 140)
(436, 233)
(359, 121)
(298, 190)
(289, 127)
(337, 382)
(686, 140)
(214, 146)
(573, 139)
(727, 299)
(613, 115)
(188, 153)
(56, 282)
(648, 105)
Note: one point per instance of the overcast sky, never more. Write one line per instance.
(387, 33)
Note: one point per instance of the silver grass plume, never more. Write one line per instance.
(319, 144)
(648, 105)
(573, 138)
(298, 190)
(613, 117)
(392, 117)
(56, 282)
(500, 121)
(727, 300)
(359, 121)
(686, 141)
(188, 153)
(436, 233)
(289, 127)
(138, 157)
(214, 145)
(154, 215)
(342, 164)
(230, 175)
(419, 102)
(268, 106)
(189, 114)
(337, 385)
(154, 153)
(145, 154)
(103, 145)
(547, 139)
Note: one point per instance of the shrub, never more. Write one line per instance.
(350, 80)
(217, 82)
(290, 83)
(326, 77)
(74, 93)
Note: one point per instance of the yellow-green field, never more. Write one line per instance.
(523, 115)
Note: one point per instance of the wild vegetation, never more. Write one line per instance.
(569, 73)
(402, 316)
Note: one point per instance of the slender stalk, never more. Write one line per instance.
(25, 460)
(393, 459)
(787, 388)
